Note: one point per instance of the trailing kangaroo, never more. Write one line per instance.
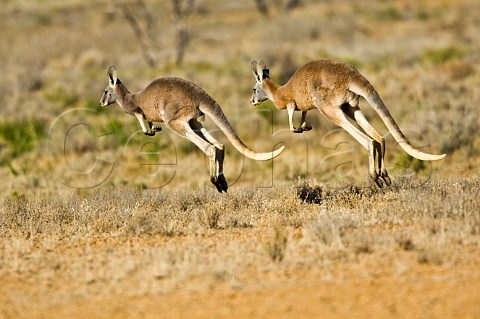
(181, 105)
(334, 88)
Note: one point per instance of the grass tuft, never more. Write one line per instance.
(211, 218)
(276, 246)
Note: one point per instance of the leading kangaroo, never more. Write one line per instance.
(334, 88)
(181, 105)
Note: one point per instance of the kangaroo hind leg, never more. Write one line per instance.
(356, 114)
(216, 166)
(338, 117)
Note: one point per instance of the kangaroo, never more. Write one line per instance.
(334, 88)
(181, 105)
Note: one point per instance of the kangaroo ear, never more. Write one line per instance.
(112, 75)
(257, 71)
(254, 66)
(265, 70)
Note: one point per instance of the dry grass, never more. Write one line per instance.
(108, 242)
(89, 219)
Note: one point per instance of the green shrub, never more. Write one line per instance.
(406, 161)
(19, 138)
(389, 13)
(442, 55)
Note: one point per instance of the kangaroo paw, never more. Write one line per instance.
(156, 129)
(306, 127)
(297, 130)
(149, 133)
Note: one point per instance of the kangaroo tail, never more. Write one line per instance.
(221, 121)
(377, 104)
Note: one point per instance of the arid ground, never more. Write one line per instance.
(99, 221)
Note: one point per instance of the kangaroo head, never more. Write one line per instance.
(261, 72)
(109, 95)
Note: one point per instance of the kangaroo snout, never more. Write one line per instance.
(254, 102)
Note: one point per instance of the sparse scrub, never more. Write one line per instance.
(463, 127)
(309, 194)
(328, 231)
(276, 246)
(211, 218)
(360, 242)
(405, 243)
(435, 249)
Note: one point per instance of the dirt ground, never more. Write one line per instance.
(374, 286)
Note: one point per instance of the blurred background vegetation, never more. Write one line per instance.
(422, 56)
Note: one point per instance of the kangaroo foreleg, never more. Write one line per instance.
(291, 110)
(146, 131)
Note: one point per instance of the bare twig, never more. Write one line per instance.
(264, 8)
(181, 9)
(142, 23)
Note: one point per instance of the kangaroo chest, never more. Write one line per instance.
(300, 99)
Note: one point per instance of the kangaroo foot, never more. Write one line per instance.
(220, 183)
(377, 180)
(386, 178)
